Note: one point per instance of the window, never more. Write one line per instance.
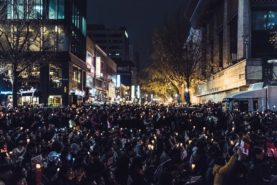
(55, 101)
(10, 10)
(55, 76)
(60, 9)
(84, 26)
(20, 9)
(56, 9)
(37, 9)
(264, 20)
(19, 14)
(75, 16)
(15, 9)
(77, 78)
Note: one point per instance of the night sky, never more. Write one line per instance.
(140, 17)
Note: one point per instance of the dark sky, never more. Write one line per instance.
(140, 17)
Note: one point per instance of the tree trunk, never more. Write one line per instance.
(188, 92)
(15, 85)
(181, 90)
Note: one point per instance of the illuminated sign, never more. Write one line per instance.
(118, 79)
(133, 89)
(138, 91)
(30, 91)
(6, 92)
(77, 92)
(89, 61)
(98, 67)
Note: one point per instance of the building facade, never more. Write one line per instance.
(115, 42)
(61, 80)
(238, 53)
(101, 75)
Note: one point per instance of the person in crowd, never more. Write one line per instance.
(137, 145)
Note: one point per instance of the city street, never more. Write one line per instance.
(147, 92)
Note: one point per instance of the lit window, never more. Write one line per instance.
(56, 9)
(264, 20)
(84, 26)
(36, 9)
(55, 76)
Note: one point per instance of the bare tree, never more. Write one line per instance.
(26, 38)
(176, 57)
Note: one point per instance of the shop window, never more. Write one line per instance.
(55, 101)
(56, 9)
(55, 76)
(28, 100)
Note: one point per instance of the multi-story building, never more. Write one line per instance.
(101, 76)
(61, 81)
(115, 42)
(236, 34)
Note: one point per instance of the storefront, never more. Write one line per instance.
(77, 96)
(55, 100)
(28, 97)
(6, 98)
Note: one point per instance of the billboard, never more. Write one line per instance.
(98, 67)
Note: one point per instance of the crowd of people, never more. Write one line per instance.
(137, 145)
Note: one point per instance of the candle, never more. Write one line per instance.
(38, 174)
(193, 166)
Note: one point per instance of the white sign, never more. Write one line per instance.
(6, 92)
(118, 80)
(98, 67)
(32, 91)
(89, 62)
(133, 89)
(78, 92)
(138, 91)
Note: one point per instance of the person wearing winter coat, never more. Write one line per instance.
(220, 170)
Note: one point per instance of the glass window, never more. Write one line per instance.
(56, 9)
(61, 39)
(75, 16)
(84, 26)
(19, 9)
(37, 9)
(52, 9)
(55, 101)
(77, 78)
(60, 9)
(10, 9)
(264, 20)
(55, 76)
(50, 38)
